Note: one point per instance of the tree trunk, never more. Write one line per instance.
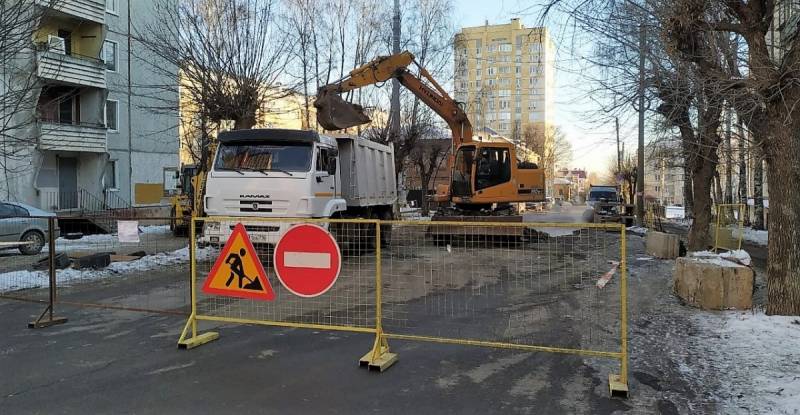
(783, 257)
(728, 159)
(758, 189)
(245, 123)
(703, 177)
(743, 176)
(688, 196)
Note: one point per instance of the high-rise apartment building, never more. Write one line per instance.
(86, 135)
(504, 74)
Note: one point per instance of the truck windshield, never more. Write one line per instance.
(609, 195)
(264, 157)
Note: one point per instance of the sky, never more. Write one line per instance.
(593, 145)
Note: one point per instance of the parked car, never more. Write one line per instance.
(26, 224)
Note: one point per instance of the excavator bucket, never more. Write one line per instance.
(334, 113)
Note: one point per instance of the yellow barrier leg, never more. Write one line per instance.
(195, 340)
(618, 384)
(379, 358)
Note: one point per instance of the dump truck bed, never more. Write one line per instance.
(367, 172)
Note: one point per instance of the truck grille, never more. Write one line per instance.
(255, 206)
(259, 228)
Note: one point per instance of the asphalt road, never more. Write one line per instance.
(110, 361)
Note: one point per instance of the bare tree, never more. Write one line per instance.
(550, 143)
(230, 57)
(696, 36)
(427, 158)
(428, 34)
(19, 86)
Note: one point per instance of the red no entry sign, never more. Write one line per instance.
(307, 260)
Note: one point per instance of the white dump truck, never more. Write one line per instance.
(278, 173)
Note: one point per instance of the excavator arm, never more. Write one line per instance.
(334, 113)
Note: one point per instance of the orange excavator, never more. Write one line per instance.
(485, 176)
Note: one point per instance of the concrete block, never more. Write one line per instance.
(662, 245)
(713, 283)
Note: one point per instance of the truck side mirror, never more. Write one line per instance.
(332, 165)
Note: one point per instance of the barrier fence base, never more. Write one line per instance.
(617, 387)
(379, 358)
(48, 321)
(196, 339)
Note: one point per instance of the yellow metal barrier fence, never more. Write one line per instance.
(555, 287)
(728, 226)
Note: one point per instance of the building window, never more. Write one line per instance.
(110, 175)
(112, 114)
(110, 55)
(504, 93)
(505, 69)
(505, 47)
(478, 73)
(112, 6)
(490, 71)
(478, 47)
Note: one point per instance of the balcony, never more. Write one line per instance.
(93, 10)
(72, 137)
(71, 70)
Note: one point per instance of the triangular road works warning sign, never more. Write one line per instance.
(238, 271)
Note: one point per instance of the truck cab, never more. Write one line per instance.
(271, 173)
(279, 173)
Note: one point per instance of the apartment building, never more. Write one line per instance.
(95, 140)
(504, 74)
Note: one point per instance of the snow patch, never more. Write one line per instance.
(724, 259)
(753, 236)
(17, 280)
(758, 358)
(637, 230)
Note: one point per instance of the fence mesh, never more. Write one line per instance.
(95, 266)
(24, 257)
(531, 285)
(727, 226)
(147, 270)
(350, 302)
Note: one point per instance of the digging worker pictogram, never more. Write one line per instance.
(234, 260)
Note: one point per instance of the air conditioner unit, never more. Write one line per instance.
(56, 44)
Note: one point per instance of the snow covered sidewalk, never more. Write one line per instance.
(756, 360)
(17, 280)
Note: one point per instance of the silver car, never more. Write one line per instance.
(25, 225)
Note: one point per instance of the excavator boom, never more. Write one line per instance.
(334, 113)
(483, 173)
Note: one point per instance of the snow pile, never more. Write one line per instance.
(724, 259)
(638, 230)
(17, 280)
(757, 358)
(753, 236)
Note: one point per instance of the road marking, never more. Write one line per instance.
(307, 259)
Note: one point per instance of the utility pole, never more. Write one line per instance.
(619, 157)
(640, 165)
(395, 100)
